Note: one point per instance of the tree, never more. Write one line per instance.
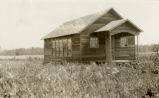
(155, 48)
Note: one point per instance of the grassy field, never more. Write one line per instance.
(29, 78)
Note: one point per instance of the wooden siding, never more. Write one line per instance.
(123, 53)
(113, 47)
(95, 54)
(47, 47)
(48, 57)
(108, 50)
(126, 27)
(76, 52)
(47, 50)
(108, 47)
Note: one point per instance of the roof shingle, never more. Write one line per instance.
(75, 26)
(80, 24)
(115, 24)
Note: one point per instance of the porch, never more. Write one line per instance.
(121, 41)
(117, 47)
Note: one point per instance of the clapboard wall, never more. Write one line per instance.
(88, 54)
(109, 42)
(75, 53)
(123, 53)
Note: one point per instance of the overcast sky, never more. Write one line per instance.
(24, 22)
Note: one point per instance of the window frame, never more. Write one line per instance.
(57, 48)
(94, 42)
(69, 47)
(127, 41)
(65, 47)
(54, 48)
(62, 47)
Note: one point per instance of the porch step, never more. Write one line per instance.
(126, 63)
(122, 61)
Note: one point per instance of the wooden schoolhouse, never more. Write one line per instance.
(101, 37)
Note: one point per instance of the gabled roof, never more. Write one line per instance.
(114, 24)
(77, 25)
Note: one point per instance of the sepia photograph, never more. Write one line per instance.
(79, 48)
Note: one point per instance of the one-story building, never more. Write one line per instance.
(101, 37)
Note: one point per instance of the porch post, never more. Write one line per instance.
(137, 47)
(108, 48)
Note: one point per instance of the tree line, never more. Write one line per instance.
(40, 51)
(149, 48)
(23, 51)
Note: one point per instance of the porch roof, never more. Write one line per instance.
(114, 24)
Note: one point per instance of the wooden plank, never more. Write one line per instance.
(94, 59)
(124, 58)
(115, 61)
(123, 52)
(76, 50)
(108, 47)
(48, 48)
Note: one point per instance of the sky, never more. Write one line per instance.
(24, 22)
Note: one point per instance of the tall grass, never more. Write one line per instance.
(31, 79)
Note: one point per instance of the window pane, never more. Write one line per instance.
(127, 41)
(53, 48)
(69, 46)
(65, 47)
(94, 43)
(131, 40)
(97, 42)
(123, 42)
(57, 48)
(61, 47)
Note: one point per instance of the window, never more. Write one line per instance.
(53, 48)
(61, 47)
(131, 41)
(69, 43)
(94, 43)
(127, 41)
(65, 47)
(57, 48)
(123, 42)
